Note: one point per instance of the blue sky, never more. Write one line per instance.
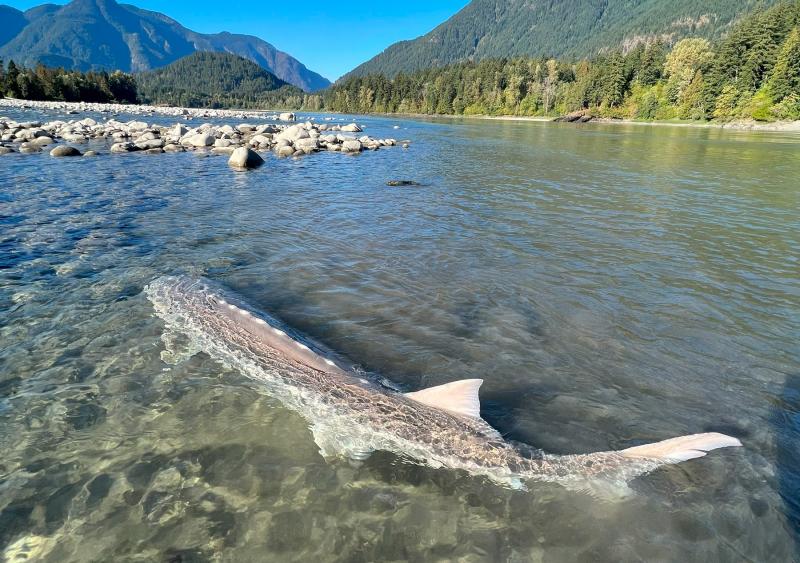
(328, 36)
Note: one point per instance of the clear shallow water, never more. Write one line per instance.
(612, 285)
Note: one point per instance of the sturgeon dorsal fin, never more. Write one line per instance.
(459, 397)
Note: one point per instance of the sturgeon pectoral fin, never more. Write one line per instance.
(331, 447)
(177, 347)
(459, 397)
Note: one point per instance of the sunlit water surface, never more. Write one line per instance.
(612, 285)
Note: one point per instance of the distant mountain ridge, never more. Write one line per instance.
(555, 28)
(102, 34)
(210, 79)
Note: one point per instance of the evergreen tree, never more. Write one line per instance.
(785, 77)
(12, 75)
(652, 62)
(615, 81)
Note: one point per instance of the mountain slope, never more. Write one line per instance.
(207, 79)
(95, 34)
(278, 63)
(555, 28)
(13, 22)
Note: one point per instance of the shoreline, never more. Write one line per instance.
(144, 110)
(280, 115)
(738, 125)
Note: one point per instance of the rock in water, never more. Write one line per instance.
(200, 140)
(65, 150)
(293, 133)
(122, 147)
(178, 131)
(395, 183)
(351, 128)
(351, 145)
(244, 158)
(285, 150)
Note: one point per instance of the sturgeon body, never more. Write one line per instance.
(351, 415)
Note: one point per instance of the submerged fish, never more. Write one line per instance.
(351, 416)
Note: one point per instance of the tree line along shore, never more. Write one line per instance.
(751, 73)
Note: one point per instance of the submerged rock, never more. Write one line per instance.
(244, 158)
(65, 150)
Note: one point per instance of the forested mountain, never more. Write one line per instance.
(556, 28)
(206, 79)
(102, 34)
(753, 72)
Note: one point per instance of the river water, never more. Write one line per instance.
(612, 285)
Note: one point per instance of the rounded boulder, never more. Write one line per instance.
(244, 158)
(65, 150)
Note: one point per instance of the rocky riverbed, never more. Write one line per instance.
(62, 138)
(139, 136)
(115, 109)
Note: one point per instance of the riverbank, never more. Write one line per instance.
(738, 125)
(76, 108)
(272, 115)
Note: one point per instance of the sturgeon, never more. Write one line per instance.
(351, 415)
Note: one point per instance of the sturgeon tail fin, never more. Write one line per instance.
(676, 450)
